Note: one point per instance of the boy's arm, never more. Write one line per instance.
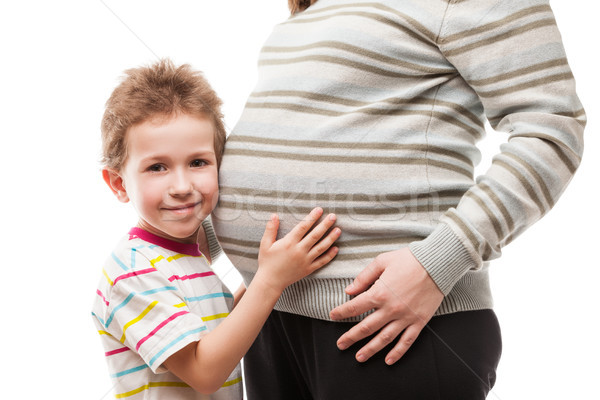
(206, 364)
(239, 293)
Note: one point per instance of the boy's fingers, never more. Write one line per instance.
(318, 232)
(322, 246)
(270, 235)
(325, 258)
(304, 226)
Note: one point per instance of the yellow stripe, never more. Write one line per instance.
(176, 257)
(104, 333)
(106, 276)
(232, 382)
(180, 305)
(138, 318)
(157, 259)
(213, 317)
(149, 385)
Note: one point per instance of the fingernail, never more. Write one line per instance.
(389, 361)
(360, 357)
(332, 217)
(350, 286)
(342, 346)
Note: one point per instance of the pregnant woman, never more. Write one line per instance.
(372, 110)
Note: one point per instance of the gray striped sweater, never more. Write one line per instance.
(373, 110)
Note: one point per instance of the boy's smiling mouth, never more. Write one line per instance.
(182, 209)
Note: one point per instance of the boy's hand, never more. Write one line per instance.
(298, 254)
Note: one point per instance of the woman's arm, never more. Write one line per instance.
(510, 53)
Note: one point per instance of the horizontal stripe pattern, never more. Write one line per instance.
(527, 28)
(373, 110)
(159, 327)
(116, 351)
(420, 148)
(174, 342)
(160, 302)
(133, 274)
(137, 319)
(208, 296)
(191, 276)
(328, 45)
(129, 371)
(151, 385)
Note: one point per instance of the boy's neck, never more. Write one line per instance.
(203, 243)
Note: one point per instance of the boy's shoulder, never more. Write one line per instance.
(134, 259)
(129, 255)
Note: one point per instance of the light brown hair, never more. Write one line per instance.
(299, 5)
(161, 89)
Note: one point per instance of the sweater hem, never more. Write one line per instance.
(315, 298)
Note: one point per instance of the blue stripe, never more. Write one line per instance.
(128, 299)
(208, 296)
(119, 262)
(98, 318)
(117, 308)
(174, 342)
(160, 289)
(129, 371)
(133, 250)
(133, 253)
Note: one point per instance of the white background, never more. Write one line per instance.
(60, 61)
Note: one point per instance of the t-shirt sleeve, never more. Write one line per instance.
(148, 314)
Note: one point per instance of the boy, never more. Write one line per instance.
(160, 309)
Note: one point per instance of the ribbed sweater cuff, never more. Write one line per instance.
(444, 257)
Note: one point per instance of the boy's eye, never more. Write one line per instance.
(156, 168)
(197, 163)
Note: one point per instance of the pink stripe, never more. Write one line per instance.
(192, 276)
(99, 293)
(129, 275)
(166, 321)
(117, 351)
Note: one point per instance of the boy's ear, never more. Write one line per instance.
(115, 182)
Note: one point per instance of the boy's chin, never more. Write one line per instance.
(186, 235)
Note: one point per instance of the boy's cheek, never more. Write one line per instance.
(215, 199)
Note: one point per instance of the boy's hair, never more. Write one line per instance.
(296, 6)
(161, 89)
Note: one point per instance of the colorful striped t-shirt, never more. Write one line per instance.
(155, 297)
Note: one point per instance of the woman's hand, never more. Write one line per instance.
(298, 254)
(404, 298)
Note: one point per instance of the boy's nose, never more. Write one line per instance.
(181, 185)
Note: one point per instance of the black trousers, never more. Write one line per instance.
(294, 357)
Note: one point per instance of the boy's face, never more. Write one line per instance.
(170, 175)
